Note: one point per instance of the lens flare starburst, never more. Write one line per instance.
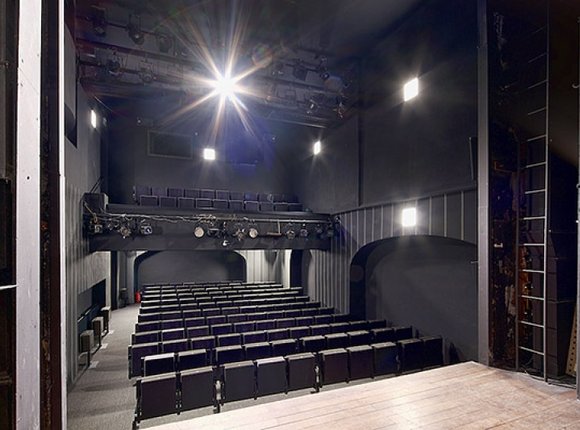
(214, 83)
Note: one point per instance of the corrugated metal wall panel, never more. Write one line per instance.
(449, 215)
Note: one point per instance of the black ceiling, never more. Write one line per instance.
(304, 53)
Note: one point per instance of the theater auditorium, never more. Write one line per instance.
(289, 214)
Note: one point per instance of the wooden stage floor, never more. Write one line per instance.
(463, 396)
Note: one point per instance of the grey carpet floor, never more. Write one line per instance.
(104, 396)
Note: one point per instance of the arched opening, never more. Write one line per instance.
(425, 281)
(189, 266)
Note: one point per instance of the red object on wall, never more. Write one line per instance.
(137, 297)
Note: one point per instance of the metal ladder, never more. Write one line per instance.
(533, 213)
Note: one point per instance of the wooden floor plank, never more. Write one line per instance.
(463, 396)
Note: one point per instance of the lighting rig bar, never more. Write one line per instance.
(109, 230)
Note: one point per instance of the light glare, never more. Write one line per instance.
(411, 89)
(93, 119)
(225, 87)
(409, 217)
(317, 147)
(209, 154)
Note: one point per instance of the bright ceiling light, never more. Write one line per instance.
(209, 154)
(93, 119)
(409, 217)
(317, 147)
(411, 89)
(225, 86)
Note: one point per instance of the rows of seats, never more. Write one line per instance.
(195, 198)
(268, 339)
(186, 389)
(225, 348)
(204, 345)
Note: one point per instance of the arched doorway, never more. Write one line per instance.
(428, 282)
(189, 266)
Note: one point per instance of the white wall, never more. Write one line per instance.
(27, 216)
(264, 265)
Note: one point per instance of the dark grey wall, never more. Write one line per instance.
(82, 171)
(402, 150)
(186, 266)
(429, 283)
(422, 146)
(328, 182)
(130, 164)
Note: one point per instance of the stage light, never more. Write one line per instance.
(146, 72)
(95, 227)
(303, 232)
(199, 232)
(409, 217)
(209, 154)
(317, 147)
(94, 119)
(99, 21)
(290, 234)
(164, 42)
(411, 89)
(113, 66)
(134, 31)
(253, 233)
(145, 229)
(225, 86)
(125, 231)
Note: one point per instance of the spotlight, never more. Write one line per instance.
(303, 232)
(146, 229)
(318, 230)
(146, 72)
(411, 89)
(314, 103)
(125, 231)
(209, 154)
(164, 42)
(95, 227)
(253, 233)
(225, 243)
(322, 69)
(113, 66)
(290, 234)
(134, 30)
(99, 20)
(238, 232)
(225, 86)
(409, 217)
(94, 119)
(317, 147)
(198, 232)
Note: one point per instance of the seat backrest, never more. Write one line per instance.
(191, 359)
(156, 396)
(159, 363)
(197, 388)
(239, 381)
